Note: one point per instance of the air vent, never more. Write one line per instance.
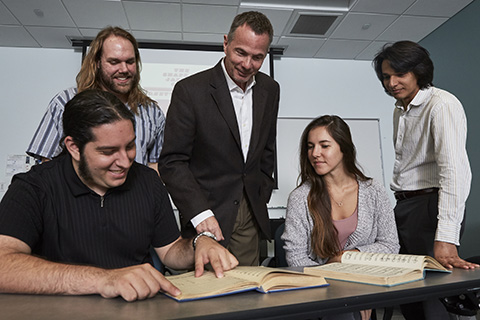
(312, 25)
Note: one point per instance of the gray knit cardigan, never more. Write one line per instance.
(376, 229)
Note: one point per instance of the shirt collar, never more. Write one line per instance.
(231, 84)
(77, 187)
(420, 98)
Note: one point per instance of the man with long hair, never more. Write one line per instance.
(111, 64)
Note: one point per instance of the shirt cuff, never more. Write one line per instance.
(201, 217)
(448, 232)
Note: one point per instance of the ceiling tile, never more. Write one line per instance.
(371, 50)
(15, 36)
(411, 28)
(176, 1)
(54, 37)
(362, 26)
(382, 6)
(89, 33)
(153, 16)
(220, 2)
(300, 47)
(140, 35)
(341, 49)
(40, 13)
(442, 8)
(278, 18)
(97, 14)
(156, 36)
(341, 5)
(216, 19)
(203, 37)
(6, 17)
(206, 21)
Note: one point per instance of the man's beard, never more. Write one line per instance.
(109, 84)
(84, 169)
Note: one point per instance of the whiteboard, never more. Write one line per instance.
(365, 135)
(162, 69)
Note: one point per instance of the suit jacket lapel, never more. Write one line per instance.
(223, 99)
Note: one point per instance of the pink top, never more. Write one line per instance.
(346, 227)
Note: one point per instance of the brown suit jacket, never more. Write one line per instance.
(202, 162)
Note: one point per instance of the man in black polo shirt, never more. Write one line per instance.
(83, 223)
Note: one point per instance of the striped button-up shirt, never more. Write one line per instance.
(149, 130)
(429, 139)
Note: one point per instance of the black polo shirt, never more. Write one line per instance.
(62, 220)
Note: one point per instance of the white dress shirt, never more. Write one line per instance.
(429, 140)
(243, 105)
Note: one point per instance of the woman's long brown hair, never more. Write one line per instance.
(324, 237)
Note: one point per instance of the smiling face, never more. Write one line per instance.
(117, 67)
(105, 161)
(244, 54)
(324, 152)
(402, 86)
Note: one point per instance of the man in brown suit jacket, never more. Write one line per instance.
(218, 154)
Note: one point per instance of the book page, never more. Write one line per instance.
(277, 279)
(256, 274)
(384, 259)
(378, 271)
(433, 264)
(208, 284)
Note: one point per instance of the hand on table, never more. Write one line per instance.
(447, 254)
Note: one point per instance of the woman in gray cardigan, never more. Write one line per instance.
(336, 207)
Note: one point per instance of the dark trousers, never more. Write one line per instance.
(416, 220)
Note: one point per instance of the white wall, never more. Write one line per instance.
(309, 88)
(347, 88)
(28, 80)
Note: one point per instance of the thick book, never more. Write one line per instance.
(383, 269)
(240, 279)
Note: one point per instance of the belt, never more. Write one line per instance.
(403, 195)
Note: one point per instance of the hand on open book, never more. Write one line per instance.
(209, 251)
(447, 254)
(133, 283)
(211, 225)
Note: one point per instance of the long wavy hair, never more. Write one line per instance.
(87, 77)
(324, 237)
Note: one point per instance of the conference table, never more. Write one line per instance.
(338, 297)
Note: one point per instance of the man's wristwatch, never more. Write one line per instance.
(204, 233)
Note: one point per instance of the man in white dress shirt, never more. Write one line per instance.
(431, 174)
(218, 157)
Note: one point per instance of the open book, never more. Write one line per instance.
(378, 268)
(262, 279)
